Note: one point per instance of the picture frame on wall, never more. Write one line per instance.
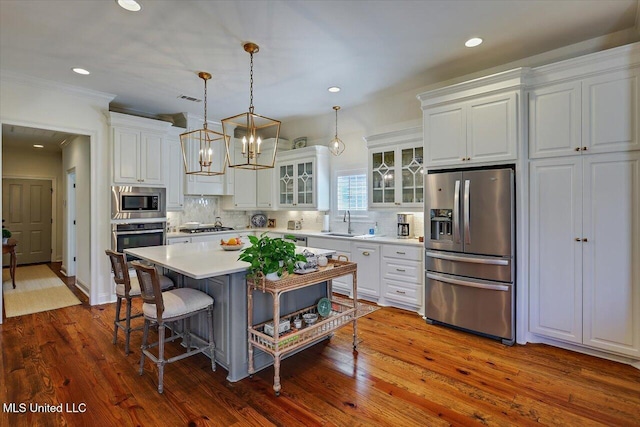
(271, 223)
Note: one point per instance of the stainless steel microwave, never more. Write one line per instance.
(138, 202)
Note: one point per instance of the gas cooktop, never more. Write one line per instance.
(205, 229)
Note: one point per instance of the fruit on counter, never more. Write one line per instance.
(234, 241)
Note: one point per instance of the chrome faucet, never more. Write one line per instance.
(347, 219)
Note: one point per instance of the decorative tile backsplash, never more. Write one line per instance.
(206, 208)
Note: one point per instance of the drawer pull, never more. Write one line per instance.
(365, 253)
(400, 269)
(400, 253)
(401, 292)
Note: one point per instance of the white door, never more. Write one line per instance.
(26, 209)
(445, 135)
(367, 256)
(610, 111)
(611, 280)
(555, 282)
(492, 129)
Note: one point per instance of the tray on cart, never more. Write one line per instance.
(340, 315)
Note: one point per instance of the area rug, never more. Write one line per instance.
(37, 289)
(363, 308)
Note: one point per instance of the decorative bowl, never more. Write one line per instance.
(191, 225)
(232, 247)
(310, 318)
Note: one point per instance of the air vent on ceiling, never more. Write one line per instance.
(189, 98)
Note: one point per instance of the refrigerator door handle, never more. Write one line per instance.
(467, 231)
(456, 212)
(474, 260)
(469, 283)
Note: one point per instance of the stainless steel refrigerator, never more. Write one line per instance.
(469, 251)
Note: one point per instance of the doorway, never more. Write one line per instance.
(27, 211)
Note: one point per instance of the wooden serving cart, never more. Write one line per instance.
(280, 344)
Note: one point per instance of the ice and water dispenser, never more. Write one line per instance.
(441, 224)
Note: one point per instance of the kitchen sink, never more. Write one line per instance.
(355, 236)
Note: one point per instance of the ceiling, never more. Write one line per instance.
(148, 59)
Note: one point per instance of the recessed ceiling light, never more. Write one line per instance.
(38, 146)
(81, 71)
(473, 42)
(130, 5)
(334, 89)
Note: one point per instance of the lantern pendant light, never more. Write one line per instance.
(336, 146)
(201, 144)
(248, 131)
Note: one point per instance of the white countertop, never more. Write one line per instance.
(200, 260)
(310, 233)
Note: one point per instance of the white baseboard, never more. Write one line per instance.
(83, 288)
(585, 350)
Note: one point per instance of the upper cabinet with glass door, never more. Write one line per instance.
(395, 169)
(303, 178)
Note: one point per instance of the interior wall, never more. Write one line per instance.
(29, 162)
(42, 104)
(76, 154)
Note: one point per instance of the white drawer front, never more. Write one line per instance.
(329, 243)
(177, 240)
(402, 252)
(408, 271)
(403, 293)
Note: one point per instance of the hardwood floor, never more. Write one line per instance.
(406, 373)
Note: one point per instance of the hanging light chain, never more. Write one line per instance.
(205, 103)
(336, 121)
(251, 85)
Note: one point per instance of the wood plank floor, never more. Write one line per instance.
(406, 373)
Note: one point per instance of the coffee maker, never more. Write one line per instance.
(405, 226)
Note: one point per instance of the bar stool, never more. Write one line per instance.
(163, 307)
(127, 288)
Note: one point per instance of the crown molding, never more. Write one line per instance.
(409, 135)
(8, 77)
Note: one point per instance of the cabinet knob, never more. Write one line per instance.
(468, 158)
(585, 148)
(578, 148)
(463, 159)
(578, 239)
(585, 240)
(365, 253)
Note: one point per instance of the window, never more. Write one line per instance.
(351, 191)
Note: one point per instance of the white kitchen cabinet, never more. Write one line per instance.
(303, 179)
(395, 172)
(341, 285)
(137, 149)
(367, 256)
(255, 189)
(214, 185)
(174, 167)
(178, 240)
(480, 130)
(402, 273)
(593, 115)
(585, 243)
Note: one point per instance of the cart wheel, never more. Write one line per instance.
(250, 375)
(277, 394)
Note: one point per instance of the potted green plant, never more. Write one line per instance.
(5, 234)
(270, 257)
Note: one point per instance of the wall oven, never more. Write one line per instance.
(126, 235)
(138, 202)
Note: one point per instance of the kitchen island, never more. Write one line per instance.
(207, 267)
